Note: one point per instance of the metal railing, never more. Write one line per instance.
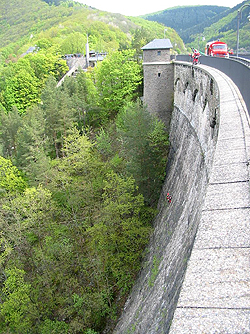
(236, 69)
(242, 60)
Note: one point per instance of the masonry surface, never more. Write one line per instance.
(196, 276)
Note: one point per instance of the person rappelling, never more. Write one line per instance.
(169, 198)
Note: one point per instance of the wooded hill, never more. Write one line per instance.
(183, 18)
(212, 22)
(65, 26)
(81, 167)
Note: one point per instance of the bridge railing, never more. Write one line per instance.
(238, 71)
(242, 60)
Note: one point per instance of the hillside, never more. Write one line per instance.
(210, 22)
(226, 29)
(81, 167)
(35, 22)
(185, 17)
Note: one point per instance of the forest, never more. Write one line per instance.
(198, 25)
(184, 18)
(81, 168)
(55, 28)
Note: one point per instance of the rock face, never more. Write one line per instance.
(193, 135)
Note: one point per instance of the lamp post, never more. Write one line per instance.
(238, 25)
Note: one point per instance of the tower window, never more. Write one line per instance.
(158, 53)
(159, 74)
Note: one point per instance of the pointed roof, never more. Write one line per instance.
(157, 44)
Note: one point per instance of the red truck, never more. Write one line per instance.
(217, 49)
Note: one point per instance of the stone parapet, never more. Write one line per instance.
(215, 294)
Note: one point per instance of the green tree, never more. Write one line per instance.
(77, 178)
(22, 91)
(24, 79)
(43, 247)
(59, 116)
(50, 106)
(44, 43)
(119, 238)
(144, 147)
(11, 180)
(46, 64)
(118, 78)
(31, 155)
(9, 124)
(54, 327)
(140, 38)
(74, 43)
(87, 101)
(17, 310)
(27, 213)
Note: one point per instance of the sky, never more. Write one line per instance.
(136, 8)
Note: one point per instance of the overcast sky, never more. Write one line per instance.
(135, 7)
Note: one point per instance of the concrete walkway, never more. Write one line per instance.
(215, 296)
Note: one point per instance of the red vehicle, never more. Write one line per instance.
(217, 49)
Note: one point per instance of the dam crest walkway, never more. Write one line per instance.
(215, 295)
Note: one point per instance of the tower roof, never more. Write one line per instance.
(157, 44)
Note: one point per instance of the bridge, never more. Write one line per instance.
(196, 277)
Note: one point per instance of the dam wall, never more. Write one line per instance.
(214, 296)
(193, 137)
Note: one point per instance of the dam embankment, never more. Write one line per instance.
(194, 132)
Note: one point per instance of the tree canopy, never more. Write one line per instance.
(81, 170)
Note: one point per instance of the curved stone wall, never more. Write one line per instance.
(214, 296)
(193, 136)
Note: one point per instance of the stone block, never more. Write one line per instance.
(224, 229)
(210, 321)
(213, 280)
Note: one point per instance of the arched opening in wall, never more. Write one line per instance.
(201, 88)
(195, 94)
(211, 86)
(176, 85)
(204, 103)
(186, 86)
(159, 75)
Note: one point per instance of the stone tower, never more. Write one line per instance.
(158, 71)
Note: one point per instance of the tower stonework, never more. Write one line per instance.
(158, 79)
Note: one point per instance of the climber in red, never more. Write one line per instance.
(169, 198)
